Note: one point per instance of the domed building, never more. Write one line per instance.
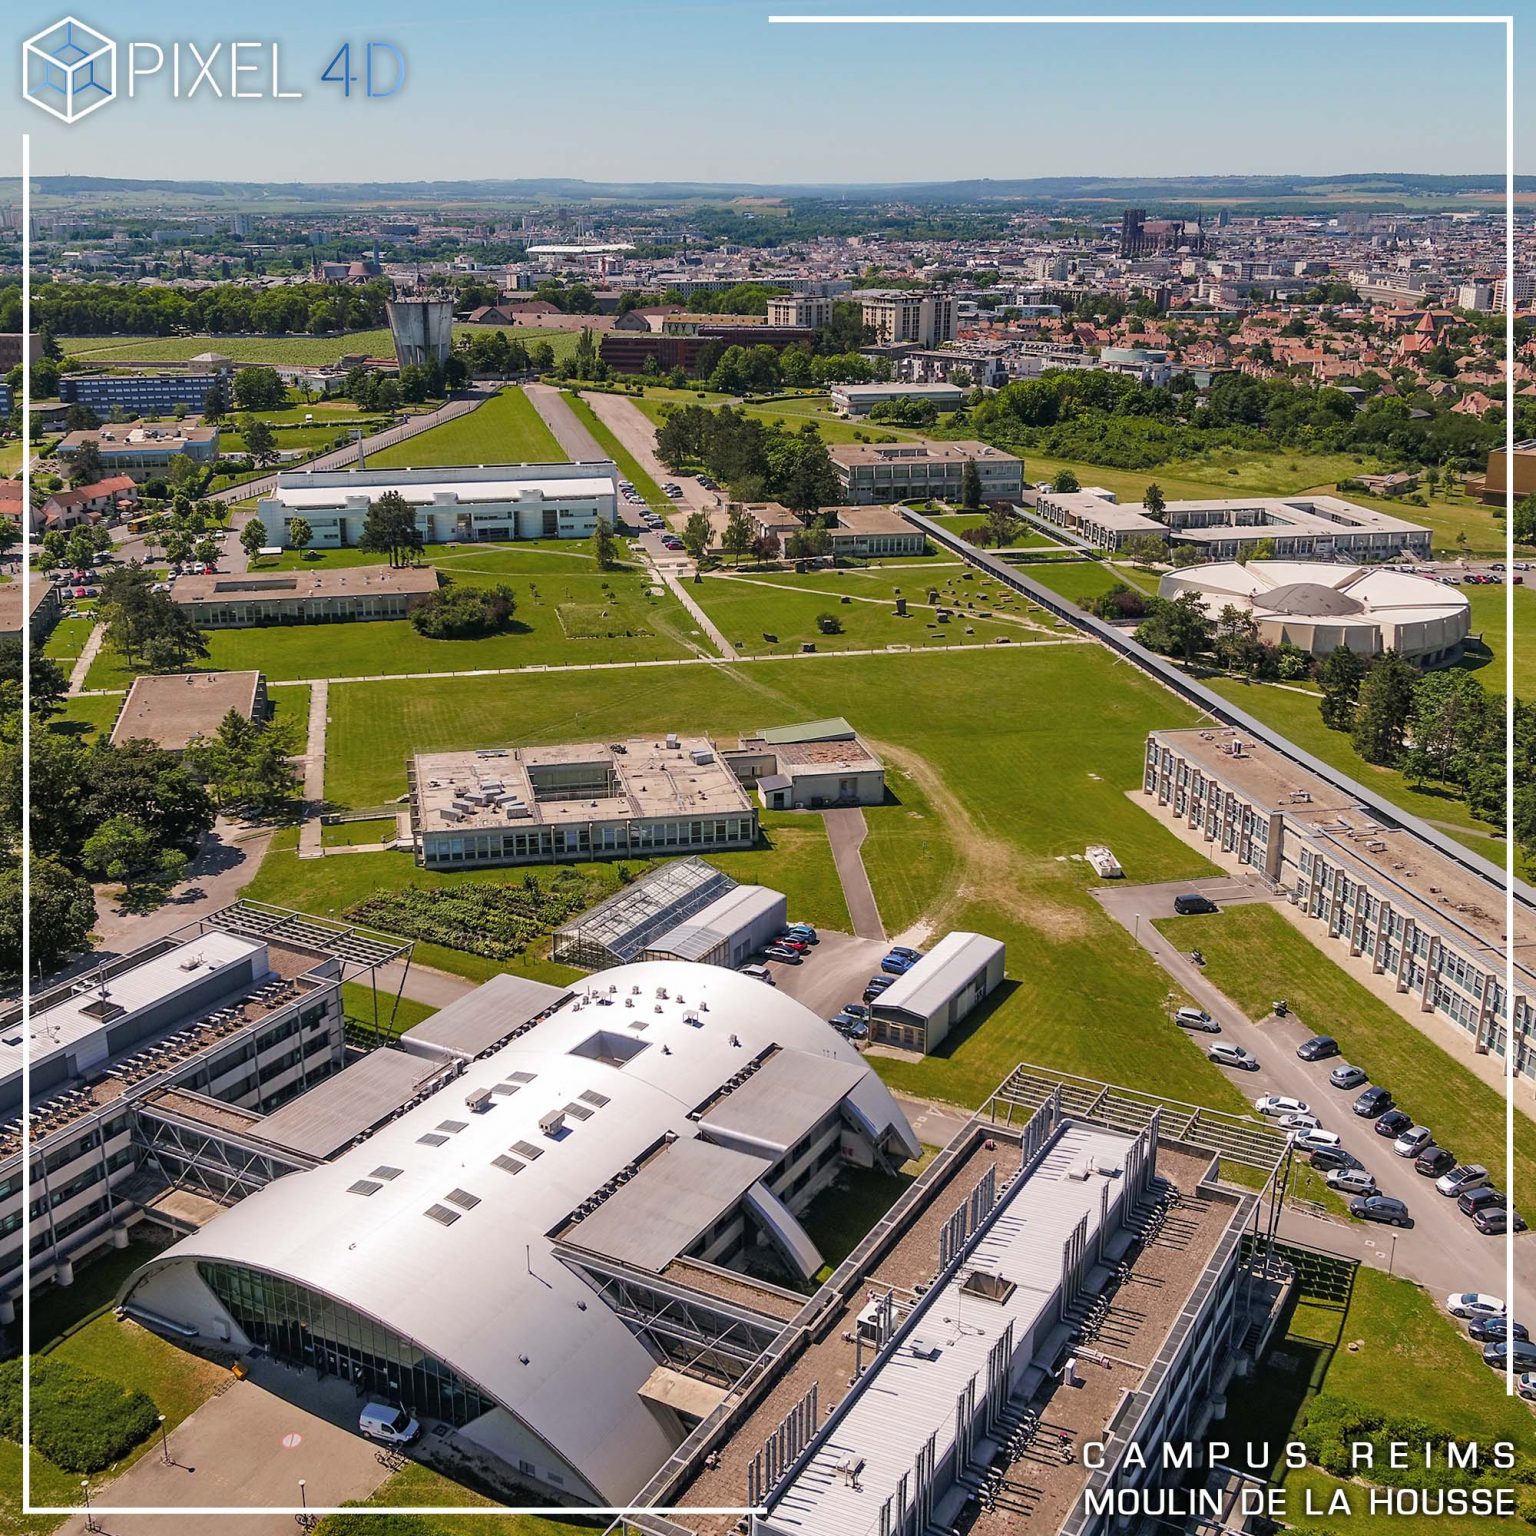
(1319, 607)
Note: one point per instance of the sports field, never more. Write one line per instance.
(505, 430)
(988, 815)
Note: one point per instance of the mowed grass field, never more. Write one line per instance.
(1004, 763)
(568, 613)
(1255, 955)
(505, 430)
(271, 350)
(791, 413)
(750, 608)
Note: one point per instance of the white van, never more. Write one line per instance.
(383, 1421)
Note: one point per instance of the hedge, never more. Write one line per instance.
(80, 1422)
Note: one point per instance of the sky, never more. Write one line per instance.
(639, 90)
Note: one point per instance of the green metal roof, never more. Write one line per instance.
(835, 729)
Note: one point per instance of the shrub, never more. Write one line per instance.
(464, 613)
(829, 624)
(80, 1422)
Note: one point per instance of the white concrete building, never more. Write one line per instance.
(860, 399)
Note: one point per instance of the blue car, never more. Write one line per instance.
(897, 965)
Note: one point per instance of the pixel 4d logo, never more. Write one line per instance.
(69, 69)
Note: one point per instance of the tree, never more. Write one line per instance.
(696, 535)
(1176, 628)
(216, 402)
(86, 468)
(766, 547)
(390, 529)
(144, 625)
(1525, 519)
(1454, 717)
(119, 850)
(1236, 642)
(253, 537)
(464, 613)
(604, 545)
(1064, 482)
(1339, 677)
(300, 533)
(260, 439)
(1152, 500)
(970, 487)
(62, 916)
(49, 684)
(1001, 525)
(258, 389)
(737, 538)
(247, 763)
(1146, 549)
(1384, 709)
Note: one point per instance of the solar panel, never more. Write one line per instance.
(523, 1077)
(462, 1198)
(442, 1215)
(580, 1111)
(527, 1149)
(453, 1127)
(384, 1171)
(364, 1187)
(504, 1088)
(510, 1164)
(594, 1098)
(431, 1139)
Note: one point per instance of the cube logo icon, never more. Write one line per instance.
(69, 69)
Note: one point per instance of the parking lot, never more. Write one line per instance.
(833, 973)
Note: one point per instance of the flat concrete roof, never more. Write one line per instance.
(783, 1099)
(349, 581)
(673, 1200)
(446, 492)
(501, 788)
(908, 452)
(491, 1012)
(170, 711)
(342, 1106)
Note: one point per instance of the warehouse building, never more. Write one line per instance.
(922, 1006)
(730, 930)
(815, 765)
(150, 1073)
(562, 1257)
(175, 709)
(1395, 907)
(465, 504)
(1319, 607)
(241, 600)
(585, 800)
(888, 472)
(1070, 1274)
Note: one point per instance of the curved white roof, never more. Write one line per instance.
(487, 1294)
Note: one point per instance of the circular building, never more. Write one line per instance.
(1319, 607)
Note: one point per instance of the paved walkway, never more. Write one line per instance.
(637, 432)
(846, 831)
(558, 416)
(82, 666)
(702, 619)
(311, 833)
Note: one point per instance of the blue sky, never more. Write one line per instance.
(688, 90)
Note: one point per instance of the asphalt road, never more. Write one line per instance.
(1442, 1250)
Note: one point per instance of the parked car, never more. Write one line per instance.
(846, 1024)
(1225, 1055)
(1190, 904)
(383, 1421)
(1197, 1019)
(1480, 1199)
(785, 941)
(1318, 1048)
(1307, 1122)
(783, 953)
(1351, 1181)
(804, 931)
(1413, 1141)
(1328, 1159)
(1374, 1101)
(1280, 1104)
(1496, 1220)
(1433, 1161)
(1474, 1304)
(896, 965)
(1523, 1351)
(877, 985)
(1314, 1140)
(1347, 1077)
(1525, 1385)
(1394, 1123)
(758, 973)
(1486, 1329)
(914, 955)
(1381, 1208)
(1462, 1179)
(857, 1011)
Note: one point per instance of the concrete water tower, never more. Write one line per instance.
(422, 329)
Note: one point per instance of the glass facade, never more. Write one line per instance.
(305, 1327)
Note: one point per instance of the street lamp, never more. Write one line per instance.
(306, 1520)
(165, 1445)
(1392, 1257)
(90, 1519)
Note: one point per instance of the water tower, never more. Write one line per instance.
(422, 329)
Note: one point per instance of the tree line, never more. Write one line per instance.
(757, 462)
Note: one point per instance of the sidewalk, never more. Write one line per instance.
(311, 833)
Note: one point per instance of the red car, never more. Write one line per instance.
(799, 946)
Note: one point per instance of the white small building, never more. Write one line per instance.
(860, 399)
(920, 1008)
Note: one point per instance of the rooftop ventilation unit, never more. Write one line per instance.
(553, 1123)
(479, 1100)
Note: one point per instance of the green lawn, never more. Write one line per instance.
(1488, 621)
(269, 350)
(418, 1487)
(353, 834)
(629, 466)
(568, 613)
(1411, 1364)
(67, 639)
(1018, 761)
(794, 857)
(395, 1016)
(505, 430)
(1255, 955)
(750, 608)
(1080, 581)
(1445, 517)
(790, 412)
(88, 716)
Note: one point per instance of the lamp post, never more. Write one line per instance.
(306, 1520)
(90, 1519)
(1392, 1257)
(165, 1444)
